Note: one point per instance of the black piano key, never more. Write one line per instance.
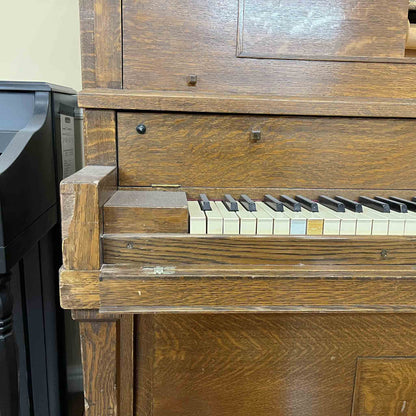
(273, 203)
(350, 204)
(394, 205)
(230, 203)
(331, 203)
(374, 204)
(411, 205)
(204, 203)
(291, 203)
(307, 203)
(247, 203)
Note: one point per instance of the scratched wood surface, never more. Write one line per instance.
(203, 34)
(132, 289)
(281, 365)
(101, 55)
(172, 249)
(100, 138)
(82, 196)
(217, 151)
(246, 103)
(385, 386)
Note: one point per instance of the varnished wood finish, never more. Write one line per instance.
(271, 364)
(124, 289)
(100, 138)
(216, 151)
(201, 38)
(146, 212)
(385, 386)
(322, 29)
(82, 196)
(101, 43)
(98, 350)
(172, 249)
(252, 104)
(79, 289)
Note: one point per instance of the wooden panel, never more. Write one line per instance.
(385, 386)
(199, 289)
(99, 361)
(176, 249)
(126, 365)
(264, 364)
(82, 196)
(79, 289)
(208, 150)
(100, 138)
(146, 212)
(101, 43)
(322, 29)
(200, 39)
(237, 103)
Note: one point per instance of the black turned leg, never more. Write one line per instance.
(9, 392)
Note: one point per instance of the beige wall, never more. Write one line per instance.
(39, 41)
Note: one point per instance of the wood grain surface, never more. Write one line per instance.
(82, 195)
(385, 386)
(246, 103)
(271, 364)
(216, 151)
(99, 361)
(101, 43)
(79, 289)
(100, 138)
(146, 212)
(273, 289)
(322, 29)
(200, 39)
(177, 249)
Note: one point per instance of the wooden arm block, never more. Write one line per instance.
(82, 197)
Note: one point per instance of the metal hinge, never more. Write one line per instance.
(164, 185)
(159, 270)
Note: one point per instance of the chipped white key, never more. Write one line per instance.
(264, 221)
(247, 221)
(197, 218)
(281, 222)
(231, 223)
(214, 220)
(331, 222)
(380, 222)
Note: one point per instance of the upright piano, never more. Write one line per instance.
(242, 239)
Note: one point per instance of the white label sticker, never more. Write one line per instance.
(68, 145)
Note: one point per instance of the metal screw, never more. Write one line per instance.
(141, 129)
(255, 135)
(383, 254)
(192, 80)
(129, 245)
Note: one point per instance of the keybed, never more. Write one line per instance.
(329, 216)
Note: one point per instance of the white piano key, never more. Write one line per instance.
(380, 222)
(214, 220)
(231, 223)
(264, 221)
(410, 223)
(315, 222)
(297, 222)
(396, 221)
(332, 223)
(348, 221)
(197, 218)
(281, 222)
(247, 221)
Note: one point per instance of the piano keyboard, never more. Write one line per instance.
(300, 216)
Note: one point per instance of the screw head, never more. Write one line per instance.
(384, 254)
(141, 129)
